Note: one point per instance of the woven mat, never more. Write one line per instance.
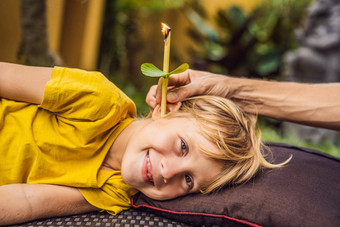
(126, 218)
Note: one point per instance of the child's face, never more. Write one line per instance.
(163, 159)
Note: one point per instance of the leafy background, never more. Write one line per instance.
(233, 41)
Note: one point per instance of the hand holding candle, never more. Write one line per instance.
(151, 70)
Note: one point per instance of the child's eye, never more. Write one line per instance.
(184, 147)
(188, 180)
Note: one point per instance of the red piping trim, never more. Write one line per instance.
(194, 213)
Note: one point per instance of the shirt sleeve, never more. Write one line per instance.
(80, 94)
(112, 196)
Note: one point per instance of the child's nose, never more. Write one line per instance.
(170, 168)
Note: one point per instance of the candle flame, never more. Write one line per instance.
(165, 30)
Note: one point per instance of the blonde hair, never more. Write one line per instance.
(234, 132)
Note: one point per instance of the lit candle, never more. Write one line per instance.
(166, 30)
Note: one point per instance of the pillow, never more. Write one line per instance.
(306, 192)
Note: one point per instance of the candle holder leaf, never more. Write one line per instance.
(149, 69)
(179, 69)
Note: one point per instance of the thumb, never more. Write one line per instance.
(181, 93)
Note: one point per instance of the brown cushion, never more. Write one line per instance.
(306, 192)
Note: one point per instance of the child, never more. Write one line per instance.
(70, 143)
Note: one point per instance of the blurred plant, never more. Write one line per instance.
(271, 134)
(121, 37)
(122, 41)
(247, 44)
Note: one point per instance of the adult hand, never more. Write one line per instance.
(187, 84)
(309, 104)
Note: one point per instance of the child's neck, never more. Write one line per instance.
(115, 155)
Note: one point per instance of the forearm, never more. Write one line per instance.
(23, 83)
(311, 104)
(14, 206)
(25, 202)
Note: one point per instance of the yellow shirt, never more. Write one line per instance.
(65, 139)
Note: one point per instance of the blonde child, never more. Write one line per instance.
(70, 143)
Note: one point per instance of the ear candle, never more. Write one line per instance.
(149, 69)
(166, 30)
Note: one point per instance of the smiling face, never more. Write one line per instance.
(163, 159)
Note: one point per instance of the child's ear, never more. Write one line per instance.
(156, 113)
(171, 107)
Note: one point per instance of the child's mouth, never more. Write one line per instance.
(147, 170)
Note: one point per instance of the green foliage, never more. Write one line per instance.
(248, 44)
(123, 42)
(271, 134)
(131, 91)
(138, 98)
(121, 38)
(149, 69)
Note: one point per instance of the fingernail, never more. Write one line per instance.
(152, 103)
(173, 96)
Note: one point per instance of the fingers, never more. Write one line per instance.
(179, 79)
(151, 97)
(181, 93)
(181, 86)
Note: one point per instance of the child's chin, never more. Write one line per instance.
(127, 179)
(159, 197)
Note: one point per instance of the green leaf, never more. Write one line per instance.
(179, 69)
(149, 69)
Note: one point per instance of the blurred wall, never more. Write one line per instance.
(10, 31)
(74, 28)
